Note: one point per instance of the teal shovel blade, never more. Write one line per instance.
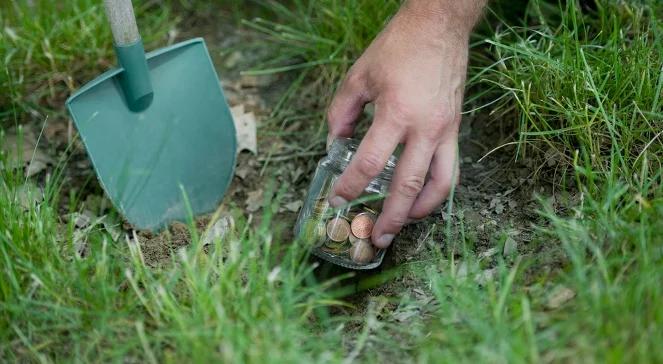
(181, 147)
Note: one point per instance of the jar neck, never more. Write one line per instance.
(343, 149)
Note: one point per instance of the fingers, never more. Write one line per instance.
(444, 173)
(346, 106)
(375, 149)
(407, 183)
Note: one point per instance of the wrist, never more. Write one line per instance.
(444, 18)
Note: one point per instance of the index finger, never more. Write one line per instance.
(375, 149)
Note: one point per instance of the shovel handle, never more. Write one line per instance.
(122, 20)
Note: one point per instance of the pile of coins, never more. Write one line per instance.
(342, 233)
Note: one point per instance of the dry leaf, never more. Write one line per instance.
(250, 81)
(242, 171)
(485, 276)
(254, 200)
(29, 195)
(559, 296)
(488, 253)
(220, 228)
(245, 125)
(294, 206)
(21, 151)
(510, 246)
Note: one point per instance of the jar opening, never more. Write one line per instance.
(343, 149)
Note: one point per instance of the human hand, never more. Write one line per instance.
(414, 73)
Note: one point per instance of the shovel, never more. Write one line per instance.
(157, 128)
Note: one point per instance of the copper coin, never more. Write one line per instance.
(362, 251)
(338, 229)
(362, 225)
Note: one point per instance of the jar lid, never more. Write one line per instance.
(343, 149)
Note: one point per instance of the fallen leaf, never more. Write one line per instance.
(462, 270)
(254, 200)
(21, 151)
(97, 204)
(81, 219)
(510, 246)
(80, 243)
(405, 314)
(112, 229)
(29, 195)
(249, 81)
(485, 276)
(245, 125)
(219, 229)
(294, 206)
(559, 296)
(242, 171)
(233, 59)
(488, 253)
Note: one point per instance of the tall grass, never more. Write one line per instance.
(248, 299)
(583, 86)
(48, 49)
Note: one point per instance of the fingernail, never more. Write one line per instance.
(384, 240)
(337, 201)
(330, 140)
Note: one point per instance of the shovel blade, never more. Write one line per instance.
(182, 147)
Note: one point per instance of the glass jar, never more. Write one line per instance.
(343, 235)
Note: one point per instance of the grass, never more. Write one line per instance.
(581, 87)
(49, 49)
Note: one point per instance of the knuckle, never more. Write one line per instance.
(411, 186)
(401, 110)
(354, 80)
(369, 164)
(345, 189)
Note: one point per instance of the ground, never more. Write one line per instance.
(549, 249)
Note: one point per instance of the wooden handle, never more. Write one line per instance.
(122, 20)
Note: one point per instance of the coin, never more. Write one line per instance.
(320, 206)
(336, 248)
(338, 229)
(314, 231)
(362, 225)
(362, 251)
